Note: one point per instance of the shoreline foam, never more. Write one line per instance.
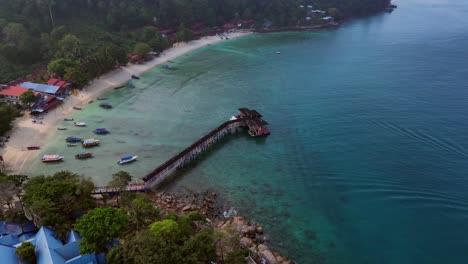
(25, 133)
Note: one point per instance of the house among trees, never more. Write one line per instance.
(47, 248)
(12, 94)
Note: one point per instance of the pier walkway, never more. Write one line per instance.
(132, 187)
(247, 119)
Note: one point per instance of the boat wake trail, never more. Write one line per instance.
(423, 137)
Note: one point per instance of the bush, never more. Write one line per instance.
(26, 252)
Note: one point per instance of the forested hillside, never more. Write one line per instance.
(94, 35)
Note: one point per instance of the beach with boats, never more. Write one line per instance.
(29, 131)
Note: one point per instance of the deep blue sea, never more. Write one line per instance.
(368, 157)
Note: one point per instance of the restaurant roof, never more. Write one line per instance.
(14, 91)
(43, 88)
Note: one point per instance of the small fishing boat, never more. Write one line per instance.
(233, 118)
(61, 128)
(72, 145)
(88, 143)
(51, 158)
(278, 52)
(33, 147)
(135, 77)
(102, 98)
(68, 119)
(105, 105)
(80, 124)
(73, 139)
(84, 155)
(101, 131)
(77, 108)
(127, 159)
(169, 67)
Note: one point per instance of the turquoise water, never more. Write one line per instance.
(367, 160)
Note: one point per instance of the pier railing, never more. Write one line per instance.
(184, 157)
(249, 119)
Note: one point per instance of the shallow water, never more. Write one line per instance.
(367, 160)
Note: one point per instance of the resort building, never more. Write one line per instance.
(49, 249)
(45, 103)
(45, 88)
(12, 94)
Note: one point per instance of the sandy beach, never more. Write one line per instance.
(25, 133)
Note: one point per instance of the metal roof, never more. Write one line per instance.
(43, 88)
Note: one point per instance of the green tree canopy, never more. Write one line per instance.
(141, 49)
(57, 200)
(99, 227)
(26, 252)
(59, 66)
(120, 179)
(167, 241)
(141, 213)
(7, 114)
(27, 98)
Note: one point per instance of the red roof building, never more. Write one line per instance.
(229, 26)
(12, 94)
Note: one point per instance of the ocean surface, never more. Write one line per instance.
(368, 157)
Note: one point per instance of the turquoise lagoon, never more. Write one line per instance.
(368, 157)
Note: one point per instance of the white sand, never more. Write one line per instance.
(25, 133)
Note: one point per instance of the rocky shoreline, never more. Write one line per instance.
(251, 235)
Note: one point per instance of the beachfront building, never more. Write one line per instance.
(45, 88)
(64, 85)
(12, 94)
(49, 249)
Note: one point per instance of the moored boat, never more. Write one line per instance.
(127, 159)
(77, 108)
(51, 158)
(80, 124)
(33, 147)
(68, 119)
(88, 143)
(105, 105)
(61, 128)
(72, 145)
(84, 155)
(101, 131)
(73, 139)
(135, 77)
(37, 122)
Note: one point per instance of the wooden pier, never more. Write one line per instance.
(249, 119)
(246, 119)
(132, 187)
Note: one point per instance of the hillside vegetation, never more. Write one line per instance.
(96, 35)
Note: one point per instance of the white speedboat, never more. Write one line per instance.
(233, 118)
(51, 158)
(80, 124)
(127, 159)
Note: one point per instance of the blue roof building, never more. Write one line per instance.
(49, 249)
(43, 88)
